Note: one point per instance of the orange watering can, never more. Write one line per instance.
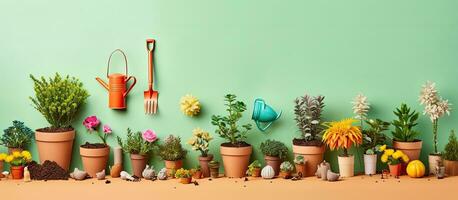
(116, 86)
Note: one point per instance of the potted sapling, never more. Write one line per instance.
(58, 99)
(299, 163)
(16, 137)
(183, 175)
(274, 153)
(200, 141)
(254, 169)
(308, 110)
(172, 153)
(235, 152)
(343, 135)
(285, 169)
(451, 155)
(139, 145)
(435, 107)
(394, 159)
(373, 138)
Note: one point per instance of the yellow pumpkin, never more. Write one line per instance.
(416, 169)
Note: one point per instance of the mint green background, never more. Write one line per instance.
(276, 50)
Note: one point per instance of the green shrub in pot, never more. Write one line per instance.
(173, 153)
(17, 136)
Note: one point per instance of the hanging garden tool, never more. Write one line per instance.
(116, 87)
(150, 95)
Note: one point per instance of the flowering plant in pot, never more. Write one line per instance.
(58, 99)
(18, 160)
(172, 153)
(254, 169)
(393, 159)
(16, 137)
(373, 138)
(450, 155)
(2, 160)
(435, 107)
(274, 152)
(235, 152)
(139, 145)
(343, 135)
(404, 135)
(308, 112)
(196, 172)
(184, 175)
(299, 163)
(200, 141)
(95, 155)
(285, 169)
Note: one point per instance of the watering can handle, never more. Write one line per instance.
(109, 60)
(131, 86)
(260, 127)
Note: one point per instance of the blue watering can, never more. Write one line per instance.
(263, 114)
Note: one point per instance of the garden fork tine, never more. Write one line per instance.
(150, 95)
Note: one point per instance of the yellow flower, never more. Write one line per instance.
(17, 154)
(405, 158)
(3, 156)
(382, 148)
(26, 154)
(9, 158)
(389, 152)
(190, 105)
(384, 158)
(398, 154)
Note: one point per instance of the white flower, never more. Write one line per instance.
(435, 106)
(428, 94)
(360, 106)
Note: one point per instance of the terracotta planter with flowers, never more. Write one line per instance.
(200, 141)
(184, 176)
(17, 160)
(173, 153)
(395, 170)
(395, 160)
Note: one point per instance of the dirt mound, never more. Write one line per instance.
(49, 170)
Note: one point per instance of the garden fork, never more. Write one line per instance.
(150, 95)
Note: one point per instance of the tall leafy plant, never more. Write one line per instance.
(227, 126)
(403, 126)
(58, 99)
(373, 136)
(16, 136)
(308, 111)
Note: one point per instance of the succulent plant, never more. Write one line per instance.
(299, 160)
(171, 149)
(308, 111)
(286, 166)
(274, 148)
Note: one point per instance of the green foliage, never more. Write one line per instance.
(374, 136)
(404, 124)
(286, 166)
(58, 99)
(183, 173)
(299, 160)
(135, 144)
(451, 149)
(274, 148)
(227, 127)
(254, 165)
(16, 136)
(308, 111)
(171, 149)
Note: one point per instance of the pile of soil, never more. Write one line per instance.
(238, 144)
(55, 130)
(88, 145)
(304, 142)
(49, 170)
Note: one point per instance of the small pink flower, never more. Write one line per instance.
(149, 135)
(91, 123)
(107, 129)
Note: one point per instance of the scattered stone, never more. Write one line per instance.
(196, 183)
(107, 182)
(246, 179)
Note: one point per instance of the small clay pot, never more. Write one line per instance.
(214, 170)
(274, 162)
(186, 180)
(203, 161)
(300, 169)
(256, 172)
(17, 172)
(314, 156)
(395, 170)
(173, 166)
(138, 164)
(94, 159)
(451, 168)
(346, 166)
(284, 174)
(197, 174)
(440, 172)
(411, 149)
(14, 149)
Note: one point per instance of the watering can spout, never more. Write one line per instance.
(105, 85)
(264, 115)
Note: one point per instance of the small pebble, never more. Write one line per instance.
(376, 181)
(270, 181)
(92, 183)
(210, 179)
(244, 185)
(107, 182)
(196, 183)
(174, 187)
(246, 179)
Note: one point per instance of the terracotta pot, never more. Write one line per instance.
(1, 165)
(451, 168)
(172, 167)
(203, 161)
(314, 156)
(13, 149)
(411, 149)
(346, 166)
(274, 162)
(197, 175)
(284, 175)
(300, 169)
(138, 164)
(256, 172)
(370, 164)
(17, 172)
(94, 160)
(186, 180)
(214, 171)
(55, 147)
(395, 170)
(235, 160)
(433, 162)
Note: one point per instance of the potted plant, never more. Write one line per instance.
(373, 138)
(235, 152)
(451, 155)
(285, 170)
(58, 99)
(299, 162)
(139, 145)
(184, 175)
(200, 141)
(214, 168)
(95, 155)
(435, 107)
(343, 135)
(16, 137)
(2, 160)
(274, 153)
(393, 159)
(18, 160)
(196, 172)
(404, 137)
(172, 153)
(254, 169)
(308, 111)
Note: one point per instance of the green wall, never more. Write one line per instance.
(276, 50)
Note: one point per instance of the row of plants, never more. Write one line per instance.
(60, 98)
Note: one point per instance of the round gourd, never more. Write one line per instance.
(416, 169)
(267, 172)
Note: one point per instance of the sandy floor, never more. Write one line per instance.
(359, 187)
